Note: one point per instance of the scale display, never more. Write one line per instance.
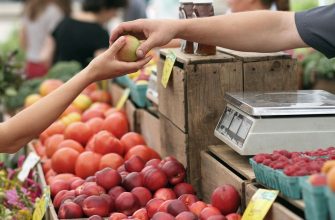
(262, 122)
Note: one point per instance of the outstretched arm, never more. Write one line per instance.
(27, 124)
(256, 31)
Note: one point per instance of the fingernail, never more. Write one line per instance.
(122, 38)
(140, 53)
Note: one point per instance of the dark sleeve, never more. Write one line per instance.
(316, 27)
(101, 40)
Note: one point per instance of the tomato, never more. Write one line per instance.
(50, 175)
(90, 88)
(113, 110)
(71, 144)
(55, 128)
(46, 165)
(70, 109)
(105, 142)
(68, 177)
(92, 113)
(142, 151)
(51, 144)
(64, 160)
(78, 131)
(131, 139)
(39, 148)
(95, 124)
(100, 106)
(111, 160)
(90, 145)
(87, 164)
(116, 124)
(100, 96)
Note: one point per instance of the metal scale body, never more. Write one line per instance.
(263, 122)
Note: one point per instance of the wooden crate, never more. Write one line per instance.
(278, 211)
(221, 165)
(116, 92)
(193, 101)
(149, 126)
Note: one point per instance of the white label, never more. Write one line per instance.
(228, 117)
(244, 129)
(235, 125)
(28, 164)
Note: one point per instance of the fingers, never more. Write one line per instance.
(146, 46)
(131, 67)
(135, 27)
(116, 46)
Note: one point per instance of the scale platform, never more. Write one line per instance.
(263, 122)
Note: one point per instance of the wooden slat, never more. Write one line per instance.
(253, 56)
(130, 110)
(116, 92)
(274, 75)
(174, 141)
(234, 160)
(172, 99)
(149, 127)
(214, 174)
(194, 59)
(206, 87)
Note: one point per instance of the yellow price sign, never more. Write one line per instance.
(123, 99)
(167, 69)
(41, 205)
(260, 204)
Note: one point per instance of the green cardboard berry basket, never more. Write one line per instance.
(315, 199)
(123, 80)
(138, 94)
(258, 170)
(331, 203)
(289, 186)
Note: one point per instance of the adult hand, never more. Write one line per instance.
(106, 65)
(155, 33)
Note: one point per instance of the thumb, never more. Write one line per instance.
(117, 45)
(146, 46)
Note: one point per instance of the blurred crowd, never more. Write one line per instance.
(53, 31)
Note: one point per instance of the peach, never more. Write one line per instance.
(141, 214)
(80, 200)
(91, 113)
(70, 210)
(188, 199)
(162, 216)
(142, 194)
(95, 217)
(132, 180)
(75, 184)
(91, 179)
(108, 178)
(62, 196)
(153, 162)
(116, 191)
(233, 216)
(226, 199)
(134, 164)
(121, 168)
(110, 201)
(208, 212)
(47, 86)
(165, 194)
(175, 171)
(217, 217)
(155, 179)
(57, 186)
(90, 189)
(176, 207)
(152, 206)
(331, 179)
(186, 216)
(318, 179)
(95, 205)
(111, 160)
(197, 207)
(183, 188)
(128, 51)
(127, 203)
(164, 205)
(327, 166)
(117, 216)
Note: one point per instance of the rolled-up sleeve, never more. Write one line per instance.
(316, 27)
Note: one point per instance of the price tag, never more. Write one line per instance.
(167, 69)
(28, 164)
(123, 99)
(260, 204)
(41, 205)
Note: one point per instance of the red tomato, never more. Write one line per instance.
(116, 124)
(142, 151)
(100, 96)
(64, 160)
(71, 144)
(131, 139)
(95, 124)
(87, 164)
(51, 144)
(78, 131)
(92, 113)
(105, 142)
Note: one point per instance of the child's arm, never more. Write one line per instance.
(23, 127)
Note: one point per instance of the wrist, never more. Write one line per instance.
(88, 74)
(181, 26)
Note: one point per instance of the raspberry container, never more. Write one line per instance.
(123, 81)
(315, 199)
(331, 202)
(138, 94)
(289, 186)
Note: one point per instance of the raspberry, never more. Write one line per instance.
(278, 165)
(259, 158)
(290, 170)
(275, 156)
(267, 162)
(301, 172)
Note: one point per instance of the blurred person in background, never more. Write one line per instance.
(40, 17)
(82, 36)
(136, 9)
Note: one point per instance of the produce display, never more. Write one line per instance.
(17, 199)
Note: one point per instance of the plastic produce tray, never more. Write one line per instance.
(331, 202)
(315, 199)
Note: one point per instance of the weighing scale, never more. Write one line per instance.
(255, 123)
